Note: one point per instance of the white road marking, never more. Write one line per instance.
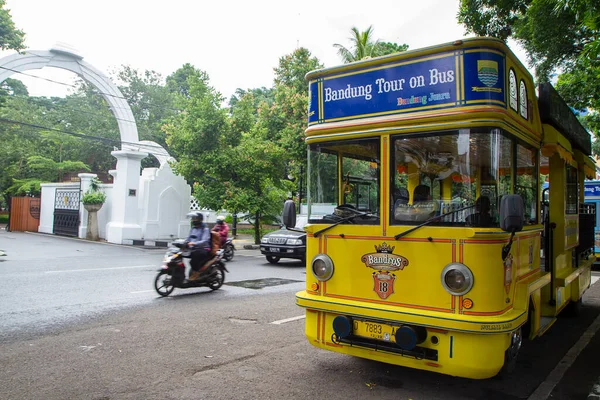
(142, 291)
(99, 269)
(594, 279)
(283, 321)
(545, 389)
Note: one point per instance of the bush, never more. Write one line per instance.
(93, 198)
(94, 195)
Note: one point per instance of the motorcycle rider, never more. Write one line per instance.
(199, 241)
(222, 228)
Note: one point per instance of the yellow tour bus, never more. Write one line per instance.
(430, 242)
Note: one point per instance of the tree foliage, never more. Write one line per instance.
(363, 46)
(11, 38)
(237, 157)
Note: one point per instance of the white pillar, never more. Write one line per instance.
(85, 181)
(124, 224)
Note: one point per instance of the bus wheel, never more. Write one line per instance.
(511, 354)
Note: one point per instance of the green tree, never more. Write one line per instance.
(10, 37)
(227, 154)
(259, 95)
(363, 45)
(285, 119)
(178, 83)
(555, 33)
(151, 101)
(385, 48)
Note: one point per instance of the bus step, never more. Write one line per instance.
(545, 324)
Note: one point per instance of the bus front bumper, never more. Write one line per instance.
(455, 344)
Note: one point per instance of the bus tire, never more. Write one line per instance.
(511, 354)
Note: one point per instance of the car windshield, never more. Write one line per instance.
(344, 173)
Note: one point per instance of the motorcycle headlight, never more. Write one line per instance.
(294, 242)
(322, 267)
(457, 279)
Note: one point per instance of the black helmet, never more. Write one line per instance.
(197, 217)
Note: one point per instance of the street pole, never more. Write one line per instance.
(300, 190)
(234, 230)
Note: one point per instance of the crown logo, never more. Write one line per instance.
(384, 248)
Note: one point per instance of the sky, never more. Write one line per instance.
(237, 42)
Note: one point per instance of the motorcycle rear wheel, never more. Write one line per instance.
(218, 280)
(160, 284)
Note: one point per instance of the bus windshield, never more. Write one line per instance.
(466, 171)
(357, 185)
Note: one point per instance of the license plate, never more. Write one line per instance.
(375, 330)
(275, 249)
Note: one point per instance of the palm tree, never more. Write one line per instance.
(363, 46)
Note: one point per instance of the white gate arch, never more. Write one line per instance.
(124, 224)
(67, 59)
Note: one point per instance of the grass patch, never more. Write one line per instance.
(3, 218)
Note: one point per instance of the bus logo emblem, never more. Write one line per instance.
(487, 72)
(384, 259)
(383, 284)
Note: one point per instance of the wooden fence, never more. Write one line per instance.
(24, 214)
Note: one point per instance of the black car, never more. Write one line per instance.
(284, 243)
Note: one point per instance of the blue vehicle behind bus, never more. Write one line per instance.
(592, 196)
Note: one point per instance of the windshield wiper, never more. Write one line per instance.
(350, 218)
(430, 220)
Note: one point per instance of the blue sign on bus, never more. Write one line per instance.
(445, 80)
(592, 189)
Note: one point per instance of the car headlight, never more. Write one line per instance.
(322, 267)
(457, 279)
(264, 240)
(294, 242)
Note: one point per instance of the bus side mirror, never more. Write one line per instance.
(511, 213)
(289, 214)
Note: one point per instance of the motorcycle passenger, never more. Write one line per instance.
(199, 241)
(223, 229)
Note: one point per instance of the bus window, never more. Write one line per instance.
(446, 173)
(572, 191)
(358, 179)
(526, 184)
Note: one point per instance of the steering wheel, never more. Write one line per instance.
(346, 211)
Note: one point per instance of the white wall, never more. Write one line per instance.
(163, 203)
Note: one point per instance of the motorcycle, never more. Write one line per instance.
(172, 273)
(228, 249)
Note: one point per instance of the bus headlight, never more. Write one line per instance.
(322, 267)
(457, 279)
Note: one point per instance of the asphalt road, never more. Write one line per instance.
(52, 281)
(115, 339)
